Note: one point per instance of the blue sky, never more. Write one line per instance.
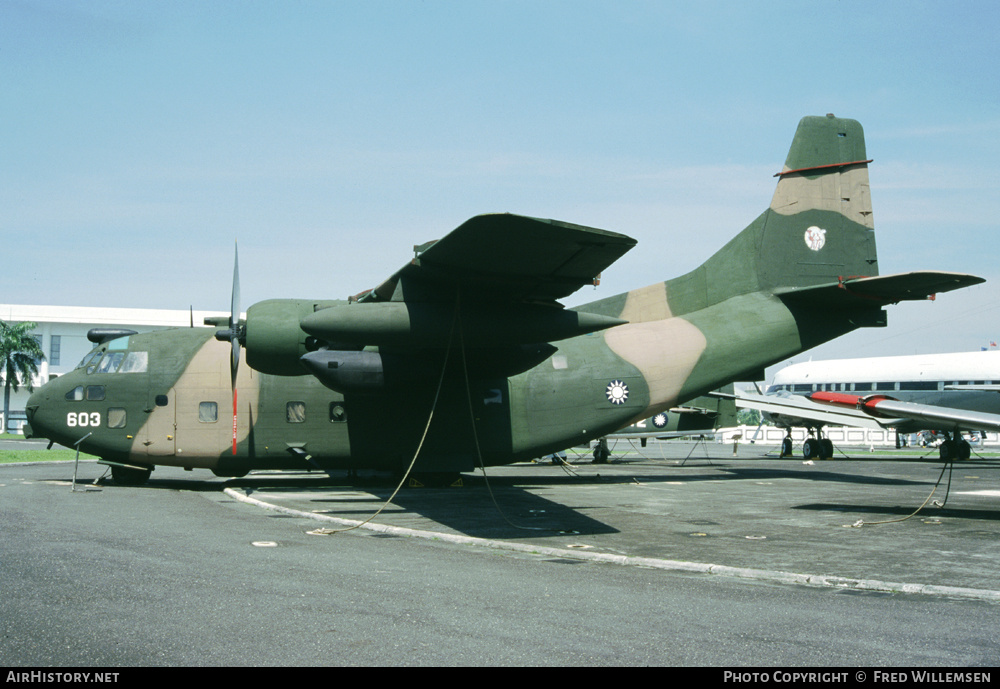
(141, 139)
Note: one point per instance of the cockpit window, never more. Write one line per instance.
(119, 343)
(76, 394)
(91, 358)
(95, 393)
(135, 362)
(110, 362)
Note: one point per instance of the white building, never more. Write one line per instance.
(62, 332)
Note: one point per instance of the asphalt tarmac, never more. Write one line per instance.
(684, 556)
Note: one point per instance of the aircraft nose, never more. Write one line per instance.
(36, 426)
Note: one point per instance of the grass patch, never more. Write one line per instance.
(54, 455)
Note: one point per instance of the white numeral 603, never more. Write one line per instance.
(83, 418)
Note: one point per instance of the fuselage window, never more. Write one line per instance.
(338, 414)
(76, 394)
(885, 386)
(208, 412)
(918, 385)
(295, 412)
(162, 401)
(135, 362)
(95, 393)
(116, 417)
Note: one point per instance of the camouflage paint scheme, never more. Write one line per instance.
(478, 313)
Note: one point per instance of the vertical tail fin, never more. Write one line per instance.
(818, 228)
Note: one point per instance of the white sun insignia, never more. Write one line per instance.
(660, 420)
(815, 238)
(617, 392)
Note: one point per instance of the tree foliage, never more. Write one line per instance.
(19, 354)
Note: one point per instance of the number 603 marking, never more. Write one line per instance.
(83, 419)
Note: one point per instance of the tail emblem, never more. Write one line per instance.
(815, 238)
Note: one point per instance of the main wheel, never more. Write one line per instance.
(826, 448)
(811, 448)
(786, 447)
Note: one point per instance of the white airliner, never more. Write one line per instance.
(940, 392)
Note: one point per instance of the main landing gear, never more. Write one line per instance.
(813, 448)
(954, 447)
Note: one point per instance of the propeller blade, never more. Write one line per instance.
(234, 329)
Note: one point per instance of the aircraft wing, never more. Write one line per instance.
(794, 410)
(509, 258)
(936, 417)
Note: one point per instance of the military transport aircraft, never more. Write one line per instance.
(465, 357)
(949, 393)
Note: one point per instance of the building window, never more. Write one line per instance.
(55, 347)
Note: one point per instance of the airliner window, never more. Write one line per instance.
(95, 393)
(116, 417)
(208, 412)
(885, 386)
(135, 362)
(111, 361)
(76, 394)
(295, 412)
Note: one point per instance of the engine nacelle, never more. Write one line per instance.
(274, 341)
(347, 371)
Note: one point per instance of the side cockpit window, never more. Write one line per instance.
(135, 362)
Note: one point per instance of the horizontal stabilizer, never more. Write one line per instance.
(881, 289)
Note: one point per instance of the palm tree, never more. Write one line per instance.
(19, 352)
